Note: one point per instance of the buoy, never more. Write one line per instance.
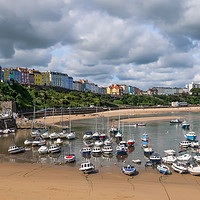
(60, 163)
(121, 156)
(114, 163)
(87, 174)
(37, 162)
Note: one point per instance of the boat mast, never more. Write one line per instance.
(96, 119)
(70, 120)
(119, 118)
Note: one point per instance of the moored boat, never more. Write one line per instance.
(180, 167)
(87, 167)
(107, 150)
(54, 148)
(185, 125)
(15, 149)
(43, 150)
(175, 121)
(194, 170)
(70, 158)
(128, 170)
(131, 142)
(85, 150)
(190, 135)
(155, 158)
(164, 169)
(87, 135)
(185, 157)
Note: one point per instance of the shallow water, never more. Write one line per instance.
(162, 136)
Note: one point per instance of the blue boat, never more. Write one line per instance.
(85, 150)
(145, 137)
(128, 170)
(144, 144)
(190, 136)
(121, 150)
(185, 125)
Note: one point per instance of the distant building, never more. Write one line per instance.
(124, 89)
(165, 91)
(115, 90)
(45, 78)
(15, 75)
(136, 90)
(6, 75)
(0, 73)
(70, 83)
(24, 75)
(190, 86)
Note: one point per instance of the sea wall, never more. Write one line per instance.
(7, 123)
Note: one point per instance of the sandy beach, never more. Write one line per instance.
(125, 112)
(35, 182)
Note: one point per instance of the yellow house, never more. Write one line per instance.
(45, 78)
(37, 77)
(113, 90)
(6, 75)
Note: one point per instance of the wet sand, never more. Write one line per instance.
(124, 112)
(35, 182)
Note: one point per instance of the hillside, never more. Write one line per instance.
(25, 96)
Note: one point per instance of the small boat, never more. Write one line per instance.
(103, 136)
(58, 141)
(169, 159)
(149, 163)
(35, 133)
(141, 124)
(184, 144)
(88, 143)
(128, 170)
(70, 158)
(54, 148)
(45, 135)
(53, 136)
(96, 150)
(148, 150)
(38, 142)
(185, 125)
(114, 130)
(137, 161)
(28, 142)
(180, 167)
(87, 135)
(107, 150)
(15, 149)
(43, 150)
(71, 136)
(85, 150)
(197, 157)
(123, 143)
(63, 134)
(175, 121)
(108, 142)
(121, 150)
(87, 167)
(155, 158)
(194, 170)
(99, 143)
(163, 169)
(96, 136)
(194, 144)
(118, 135)
(145, 137)
(131, 142)
(144, 144)
(190, 135)
(185, 157)
(170, 152)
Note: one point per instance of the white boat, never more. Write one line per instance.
(184, 144)
(53, 136)
(54, 148)
(123, 143)
(96, 150)
(38, 142)
(121, 150)
(35, 133)
(15, 149)
(28, 142)
(185, 125)
(164, 169)
(70, 158)
(107, 150)
(62, 135)
(108, 142)
(114, 130)
(155, 158)
(137, 161)
(194, 170)
(180, 167)
(185, 157)
(43, 150)
(85, 150)
(99, 143)
(148, 150)
(118, 136)
(45, 135)
(175, 121)
(141, 124)
(170, 152)
(145, 137)
(58, 141)
(128, 170)
(87, 167)
(169, 159)
(96, 136)
(88, 143)
(71, 136)
(197, 157)
(87, 135)
(194, 144)
(103, 136)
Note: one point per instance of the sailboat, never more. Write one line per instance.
(45, 134)
(71, 135)
(53, 135)
(148, 150)
(34, 132)
(96, 135)
(69, 157)
(64, 133)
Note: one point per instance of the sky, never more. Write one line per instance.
(143, 43)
